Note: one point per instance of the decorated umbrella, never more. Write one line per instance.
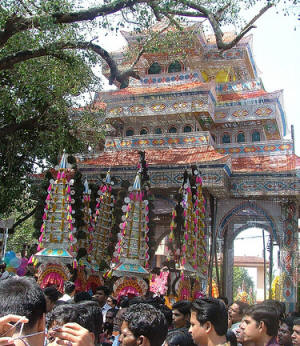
(86, 231)
(131, 252)
(191, 254)
(98, 250)
(57, 241)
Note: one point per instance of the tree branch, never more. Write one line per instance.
(219, 34)
(23, 219)
(16, 24)
(115, 74)
(28, 124)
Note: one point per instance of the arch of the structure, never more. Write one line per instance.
(261, 219)
(255, 223)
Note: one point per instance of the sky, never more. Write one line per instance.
(276, 48)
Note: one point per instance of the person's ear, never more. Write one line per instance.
(92, 335)
(142, 341)
(41, 323)
(261, 326)
(207, 327)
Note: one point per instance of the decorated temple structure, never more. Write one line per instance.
(208, 109)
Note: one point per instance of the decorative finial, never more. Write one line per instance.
(63, 161)
(86, 186)
(108, 178)
(137, 183)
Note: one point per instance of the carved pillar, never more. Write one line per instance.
(228, 258)
(288, 253)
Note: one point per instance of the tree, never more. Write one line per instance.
(242, 281)
(46, 58)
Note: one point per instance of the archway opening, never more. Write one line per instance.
(255, 265)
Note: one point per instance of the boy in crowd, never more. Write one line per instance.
(143, 325)
(209, 322)
(260, 325)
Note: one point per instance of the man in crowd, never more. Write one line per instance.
(102, 293)
(143, 325)
(22, 296)
(296, 332)
(209, 322)
(69, 292)
(235, 314)
(260, 325)
(181, 313)
(285, 332)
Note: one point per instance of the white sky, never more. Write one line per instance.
(276, 49)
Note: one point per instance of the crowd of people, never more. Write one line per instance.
(31, 316)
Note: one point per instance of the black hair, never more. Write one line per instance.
(86, 316)
(95, 314)
(183, 306)
(289, 321)
(277, 305)
(124, 302)
(167, 312)
(144, 319)
(242, 306)
(212, 310)
(178, 338)
(136, 300)
(231, 337)
(22, 296)
(52, 293)
(69, 287)
(296, 321)
(114, 300)
(225, 299)
(104, 289)
(266, 313)
(82, 296)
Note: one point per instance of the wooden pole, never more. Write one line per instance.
(264, 254)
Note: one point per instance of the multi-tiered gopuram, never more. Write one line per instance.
(208, 109)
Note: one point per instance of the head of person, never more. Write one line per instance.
(101, 294)
(208, 320)
(285, 331)
(168, 314)
(231, 337)
(143, 325)
(236, 311)
(110, 315)
(111, 301)
(52, 295)
(296, 332)
(95, 313)
(278, 306)
(63, 314)
(22, 296)
(178, 338)
(260, 322)
(81, 297)
(181, 312)
(69, 288)
(224, 299)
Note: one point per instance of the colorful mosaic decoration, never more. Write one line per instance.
(103, 224)
(158, 141)
(131, 252)
(193, 256)
(87, 228)
(57, 241)
(288, 255)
